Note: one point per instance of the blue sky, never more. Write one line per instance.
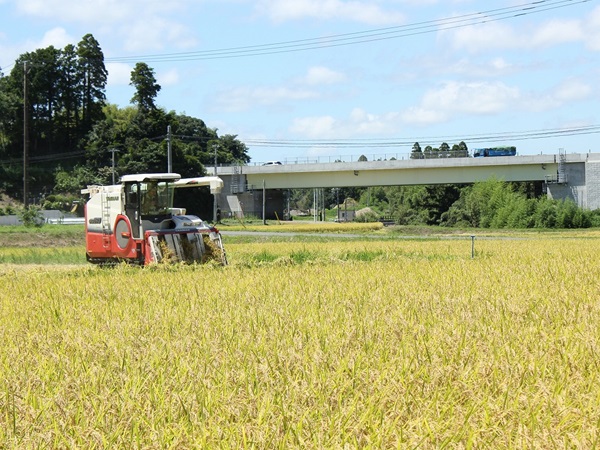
(487, 72)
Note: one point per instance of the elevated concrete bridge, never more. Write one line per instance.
(574, 176)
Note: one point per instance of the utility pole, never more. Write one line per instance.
(337, 201)
(113, 151)
(169, 157)
(215, 206)
(25, 140)
(264, 203)
(215, 146)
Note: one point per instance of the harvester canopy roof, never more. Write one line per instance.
(144, 177)
(215, 183)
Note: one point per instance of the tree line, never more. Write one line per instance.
(53, 103)
(459, 150)
(487, 204)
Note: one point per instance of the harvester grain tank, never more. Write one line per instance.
(135, 221)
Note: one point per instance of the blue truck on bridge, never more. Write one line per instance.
(494, 151)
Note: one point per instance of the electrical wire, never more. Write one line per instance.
(359, 37)
(44, 158)
(508, 136)
(409, 141)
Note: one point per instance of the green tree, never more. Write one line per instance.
(444, 150)
(44, 100)
(9, 108)
(146, 87)
(416, 152)
(497, 204)
(235, 150)
(92, 75)
(546, 214)
(70, 98)
(31, 216)
(38, 71)
(432, 201)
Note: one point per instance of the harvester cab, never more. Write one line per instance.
(135, 221)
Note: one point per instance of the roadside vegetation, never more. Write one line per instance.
(487, 204)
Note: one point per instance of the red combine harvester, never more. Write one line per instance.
(135, 222)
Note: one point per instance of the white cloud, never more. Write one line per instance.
(358, 123)
(322, 75)
(155, 33)
(441, 105)
(168, 78)
(423, 116)
(96, 11)
(140, 24)
(438, 105)
(119, 74)
(58, 37)
(364, 123)
(298, 89)
(315, 127)
(483, 98)
(73, 10)
(556, 32)
(474, 97)
(500, 64)
(419, 2)
(490, 68)
(355, 10)
(482, 37)
(495, 35)
(568, 91)
(244, 98)
(592, 27)
(572, 90)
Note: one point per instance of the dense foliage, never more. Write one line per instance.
(496, 204)
(459, 150)
(487, 204)
(71, 133)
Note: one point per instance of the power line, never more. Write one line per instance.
(359, 37)
(353, 38)
(409, 141)
(45, 158)
(395, 142)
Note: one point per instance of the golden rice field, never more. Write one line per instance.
(307, 226)
(343, 344)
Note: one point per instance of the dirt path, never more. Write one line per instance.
(41, 239)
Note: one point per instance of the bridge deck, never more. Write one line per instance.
(401, 172)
